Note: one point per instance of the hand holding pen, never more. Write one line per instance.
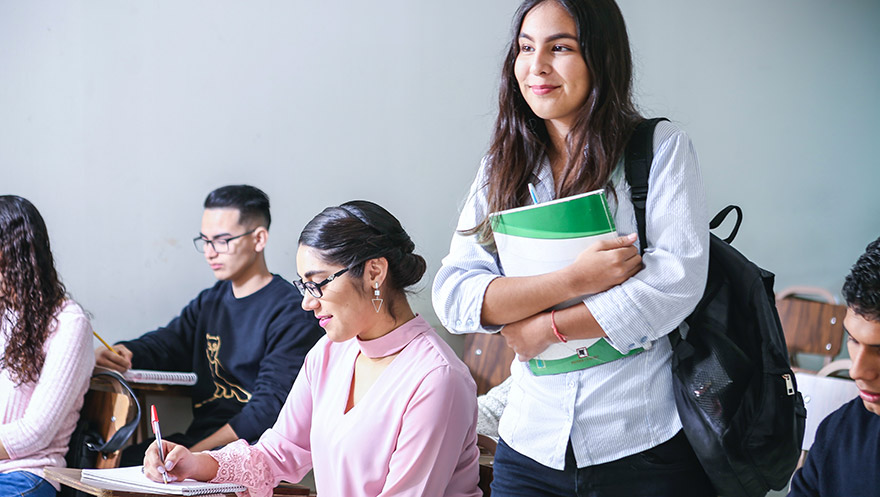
(154, 420)
(169, 462)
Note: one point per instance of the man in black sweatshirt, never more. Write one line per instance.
(845, 458)
(245, 337)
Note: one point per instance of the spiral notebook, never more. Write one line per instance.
(132, 479)
(160, 377)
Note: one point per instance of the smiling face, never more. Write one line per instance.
(345, 310)
(863, 344)
(240, 261)
(550, 69)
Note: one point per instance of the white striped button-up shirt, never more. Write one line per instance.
(625, 406)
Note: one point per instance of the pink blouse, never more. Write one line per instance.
(412, 434)
(37, 418)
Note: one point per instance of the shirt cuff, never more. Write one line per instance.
(465, 313)
(621, 320)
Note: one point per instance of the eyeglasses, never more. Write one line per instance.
(220, 245)
(315, 288)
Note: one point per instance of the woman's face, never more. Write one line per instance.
(345, 309)
(550, 68)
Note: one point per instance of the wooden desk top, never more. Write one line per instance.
(72, 477)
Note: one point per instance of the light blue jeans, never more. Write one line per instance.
(24, 484)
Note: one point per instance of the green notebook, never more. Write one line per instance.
(540, 238)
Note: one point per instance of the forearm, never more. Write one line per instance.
(577, 322)
(532, 335)
(219, 438)
(512, 299)
(3, 454)
(601, 266)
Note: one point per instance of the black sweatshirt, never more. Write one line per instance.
(844, 460)
(246, 352)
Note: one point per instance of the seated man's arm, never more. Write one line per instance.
(807, 481)
(169, 348)
(219, 438)
(288, 338)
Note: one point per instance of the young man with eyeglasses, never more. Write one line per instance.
(246, 337)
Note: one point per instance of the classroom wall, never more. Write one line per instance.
(118, 117)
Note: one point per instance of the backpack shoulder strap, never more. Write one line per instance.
(637, 165)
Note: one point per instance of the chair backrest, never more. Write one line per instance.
(822, 396)
(488, 357)
(811, 327)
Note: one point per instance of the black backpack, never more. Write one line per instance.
(734, 388)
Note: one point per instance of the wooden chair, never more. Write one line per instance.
(810, 326)
(488, 357)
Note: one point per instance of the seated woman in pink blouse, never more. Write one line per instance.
(46, 354)
(382, 406)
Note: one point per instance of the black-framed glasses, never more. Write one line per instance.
(220, 245)
(315, 288)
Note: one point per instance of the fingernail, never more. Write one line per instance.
(169, 465)
(160, 469)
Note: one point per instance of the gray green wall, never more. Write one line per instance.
(118, 117)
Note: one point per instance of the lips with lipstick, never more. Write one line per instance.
(542, 89)
(867, 396)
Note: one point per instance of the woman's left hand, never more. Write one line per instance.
(530, 336)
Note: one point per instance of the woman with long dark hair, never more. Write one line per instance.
(46, 344)
(382, 406)
(565, 116)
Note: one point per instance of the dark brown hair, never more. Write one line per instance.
(357, 231)
(861, 289)
(30, 291)
(599, 134)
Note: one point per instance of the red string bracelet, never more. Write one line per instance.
(560, 336)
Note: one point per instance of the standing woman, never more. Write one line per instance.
(565, 115)
(47, 358)
(382, 406)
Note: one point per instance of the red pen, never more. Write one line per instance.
(154, 420)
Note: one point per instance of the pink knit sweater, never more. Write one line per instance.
(37, 418)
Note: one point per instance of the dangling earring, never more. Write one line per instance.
(377, 301)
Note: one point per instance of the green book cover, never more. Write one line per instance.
(541, 238)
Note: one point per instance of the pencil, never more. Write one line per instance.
(106, 344)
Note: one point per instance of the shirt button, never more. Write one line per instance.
(470, 324)
(632, 346)
(644, 339)
(458, 323)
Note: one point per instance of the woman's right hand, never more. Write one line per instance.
(603, 265)
(179, 465)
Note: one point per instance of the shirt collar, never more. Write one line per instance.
(395, 340)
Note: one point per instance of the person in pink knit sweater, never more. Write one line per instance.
(382, 405)
(47, 359)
